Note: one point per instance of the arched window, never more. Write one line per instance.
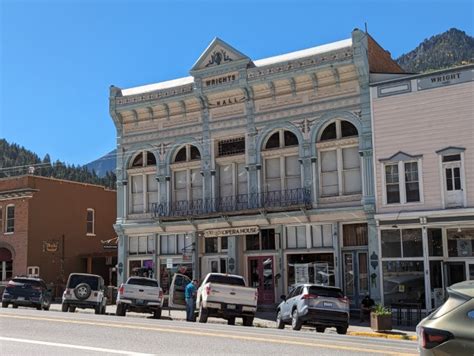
(143, 183)
(187, 153)
(339, 159)
(187, 178)
(281, 162)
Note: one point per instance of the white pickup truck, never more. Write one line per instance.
(226, 296)
(140, 295)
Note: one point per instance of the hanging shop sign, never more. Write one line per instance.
(232, 231)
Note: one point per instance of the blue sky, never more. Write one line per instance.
(58, 58)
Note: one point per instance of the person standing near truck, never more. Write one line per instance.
(190, 296)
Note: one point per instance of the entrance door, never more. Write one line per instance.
(453, 184)
(261, 276)
(214, 265)
(455, 272)
(356, 278)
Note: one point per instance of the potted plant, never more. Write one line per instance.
(381, 318)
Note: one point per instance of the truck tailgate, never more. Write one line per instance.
(230, 294)
(131, 291)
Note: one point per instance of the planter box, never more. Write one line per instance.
(380, 322)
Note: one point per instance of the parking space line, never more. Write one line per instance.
(219, 334)
(77, 347)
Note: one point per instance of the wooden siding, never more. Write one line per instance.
(421, 123)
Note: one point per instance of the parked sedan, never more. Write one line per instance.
(27, 292)
(316, 305)
(450, 329)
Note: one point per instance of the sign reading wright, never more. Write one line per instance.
(249, 230)
(442, 79)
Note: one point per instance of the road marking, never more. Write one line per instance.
(69, 346)
(212, 334)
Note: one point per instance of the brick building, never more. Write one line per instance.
(51, 227)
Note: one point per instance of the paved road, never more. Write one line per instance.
(32, 332)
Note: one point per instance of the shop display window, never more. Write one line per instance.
(402, 243)
(460, 242)
(435, 242)
(403, 282)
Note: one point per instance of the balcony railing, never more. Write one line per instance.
(271, 201)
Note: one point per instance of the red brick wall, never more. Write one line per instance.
(380, 60)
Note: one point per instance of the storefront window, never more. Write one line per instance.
(391, 243)
(252, 242)
(460, 242)
(265, 240)
(311, 268)
(394, 240)
(403, 282)
(143, 268)
(210, 245)
(412, 243)
(296, 236)
(435, 242)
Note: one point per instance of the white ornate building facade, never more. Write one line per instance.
(261, 168)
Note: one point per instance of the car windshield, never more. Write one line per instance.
(143, 282)
(326, 292)
(25, 281)
(235, 281)
(77, 279)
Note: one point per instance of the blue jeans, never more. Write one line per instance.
(190, 304)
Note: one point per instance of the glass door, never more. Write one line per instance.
(356, 277)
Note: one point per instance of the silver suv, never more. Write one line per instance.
(84, 291)
(316, 305)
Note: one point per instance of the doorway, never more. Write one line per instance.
(261, 276)
(453, 189)
(455, 272)
(356, 278)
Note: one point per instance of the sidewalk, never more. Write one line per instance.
(266, 320)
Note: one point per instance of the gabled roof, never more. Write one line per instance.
(218, 52)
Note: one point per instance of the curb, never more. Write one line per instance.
(382, 335)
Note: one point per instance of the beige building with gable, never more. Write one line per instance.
(424, 169)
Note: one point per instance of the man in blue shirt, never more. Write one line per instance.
(190, 296)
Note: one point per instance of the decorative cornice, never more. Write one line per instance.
(154, 95)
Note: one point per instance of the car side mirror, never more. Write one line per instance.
(283, 297)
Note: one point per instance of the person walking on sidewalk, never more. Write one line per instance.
(190, 296)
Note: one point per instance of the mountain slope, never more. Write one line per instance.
(453, 47)
(104, 164)
(16, 160)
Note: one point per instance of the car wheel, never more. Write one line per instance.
(247, 320)
(295, 321)
(98, 309)
(4, 305)
(203, 315)
(120, 310)
(64, 307)
(231, 321)
(82, 291)
(320, 329)
(39, 307)
(157, 313)
(72, 309)
(104, 309)
(279, 321)
(14, 306)
(342, 330)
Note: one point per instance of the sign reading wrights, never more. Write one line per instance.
(220, 80)
(250, 230)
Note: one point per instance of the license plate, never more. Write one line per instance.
(139, 301)
(327, 304)
(20, 298)
(231, 306)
